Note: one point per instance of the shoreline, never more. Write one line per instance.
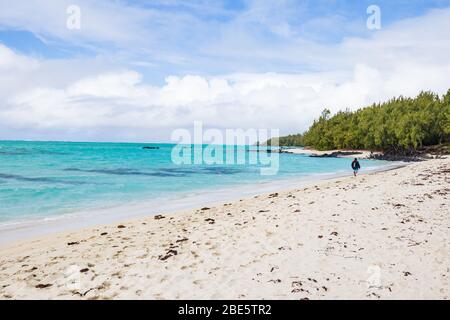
(16, 231)
(337, 153)
(382, 235)
(365, 154)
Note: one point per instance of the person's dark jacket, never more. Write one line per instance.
(356, 165)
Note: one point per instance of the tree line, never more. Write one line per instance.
(400, 125)
(293, 140)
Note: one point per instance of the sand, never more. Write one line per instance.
(383, 235)
(360, 154)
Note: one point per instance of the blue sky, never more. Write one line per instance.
(207, 60)
(326, 21)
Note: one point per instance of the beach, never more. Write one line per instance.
(338, 153)
(382, 235)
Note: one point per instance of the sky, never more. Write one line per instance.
(137, 70)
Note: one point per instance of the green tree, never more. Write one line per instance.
(400, 125)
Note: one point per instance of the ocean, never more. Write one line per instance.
(41, 181)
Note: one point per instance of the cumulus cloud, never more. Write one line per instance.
(119, 104)
(9, 61)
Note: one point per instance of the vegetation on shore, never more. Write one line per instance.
(400, 125)
(293, 140)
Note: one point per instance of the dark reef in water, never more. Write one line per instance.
(126, 172)
(38, 179)
(163, 172)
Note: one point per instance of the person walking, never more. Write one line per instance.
(355, 166)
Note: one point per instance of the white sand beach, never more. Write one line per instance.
(339, 153)
(383, 235)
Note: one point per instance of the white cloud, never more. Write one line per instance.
(75, 96)
(9, 60)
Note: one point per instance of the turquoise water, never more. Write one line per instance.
(45, 179)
